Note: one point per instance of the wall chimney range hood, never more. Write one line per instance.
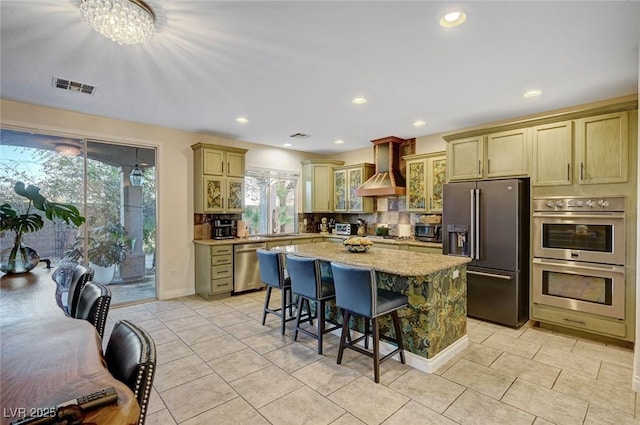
(387, 181)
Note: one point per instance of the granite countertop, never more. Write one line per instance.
(402, 263)
(260, 239)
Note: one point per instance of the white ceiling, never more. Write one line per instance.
(294, 67)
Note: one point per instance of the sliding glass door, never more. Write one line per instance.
(118, 240)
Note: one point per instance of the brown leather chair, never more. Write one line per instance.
(81, 275)
(93, 305)
(131, 359)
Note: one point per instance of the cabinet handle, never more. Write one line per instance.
(582, 171)
(580, 322)
(228, 166)
(568, 172)
(488, 166)
(479, 162)
(222, 167)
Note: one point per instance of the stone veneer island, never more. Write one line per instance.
(434, 324)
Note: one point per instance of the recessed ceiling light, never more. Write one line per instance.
(359, 100)
(419, 123)
(532, 93)
(452, 19)
(242, 120)
(338, 142)
(287, 145)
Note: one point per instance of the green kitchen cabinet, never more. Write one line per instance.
(426, 174)
(317, 185)
(346, 179)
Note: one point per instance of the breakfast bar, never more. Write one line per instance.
(434, 324)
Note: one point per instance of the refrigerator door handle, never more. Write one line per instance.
(496, 276)
(476, 235)
(472, 233)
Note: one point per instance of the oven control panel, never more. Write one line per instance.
(557, 203)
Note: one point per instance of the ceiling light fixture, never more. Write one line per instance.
(242, 120)
(452, 19)
(419, 123)
(339, 142)
(136, 177)
(532, 93)
(359, 100)
(287, 145)
(67, 150)
(123, 21)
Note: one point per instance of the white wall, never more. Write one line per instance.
(175, 276)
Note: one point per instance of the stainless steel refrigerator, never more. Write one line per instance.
(488, 221)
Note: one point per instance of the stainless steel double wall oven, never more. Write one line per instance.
(579, 254)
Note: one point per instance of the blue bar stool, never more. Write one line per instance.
(308, 283)
(272, 274)
(357, 293)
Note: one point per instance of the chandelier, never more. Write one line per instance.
(123, 21)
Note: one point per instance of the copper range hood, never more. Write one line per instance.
(387, 181)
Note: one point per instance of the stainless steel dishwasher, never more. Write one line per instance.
(246, 273)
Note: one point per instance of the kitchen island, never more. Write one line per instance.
(434, 324)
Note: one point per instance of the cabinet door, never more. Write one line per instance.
(322, 188)
(212, 162)
(213, 194)
(552, 154)
(340, 190)
(235, 164)
(603, 144)
(465, 158)
(436, 178)
(507, 153)
(355, 178)
(235, 195)
(417, 185)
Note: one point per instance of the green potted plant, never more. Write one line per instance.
(18, 258)
(107, 248)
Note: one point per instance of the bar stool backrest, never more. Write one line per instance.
(356, 289)
(305, 276)
(271, 268)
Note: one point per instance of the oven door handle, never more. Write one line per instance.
(582, 266)
(570, 215)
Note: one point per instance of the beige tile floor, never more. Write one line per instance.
(218, 365)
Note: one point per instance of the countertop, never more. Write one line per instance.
(401, 263)
(290, 236)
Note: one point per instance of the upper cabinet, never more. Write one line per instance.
(218, 179)
(579, 146)
(552, 146)
(502, 154)
(601, 151)
(346, 180)
(603, 148)
(317, 185)
(426, 173)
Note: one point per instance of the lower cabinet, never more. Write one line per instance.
(568, 319)
(214, 270)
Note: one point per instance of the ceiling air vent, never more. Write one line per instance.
(300, 136)
(61, 83)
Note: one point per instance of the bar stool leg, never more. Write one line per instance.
(298, 315)
(320, 316)
(367, 325)
(283, 311)
(396, 326)
(266, 305)
(376, 350)
(343, 335)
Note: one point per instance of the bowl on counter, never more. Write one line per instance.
(357, 244)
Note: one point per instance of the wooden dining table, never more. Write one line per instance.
(47, 358)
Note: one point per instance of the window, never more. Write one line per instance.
(270, 201)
